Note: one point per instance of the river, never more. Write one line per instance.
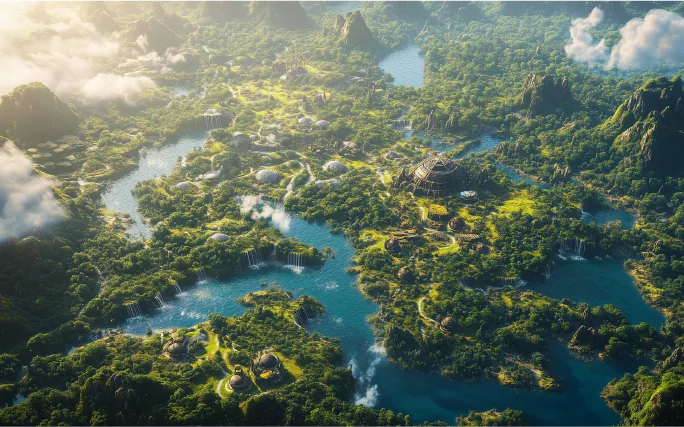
(380, 383)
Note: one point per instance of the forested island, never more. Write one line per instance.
(342, 213)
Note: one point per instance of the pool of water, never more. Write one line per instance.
(341, 7)
(598, 283)
(487, 142)
(153, 164)
(379, 383)
(627, 218)
(181, 89)
(405, 65)
(517, 177)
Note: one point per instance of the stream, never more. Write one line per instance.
(379, 383)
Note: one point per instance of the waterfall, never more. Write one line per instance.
(295, 260)
(133, 309)
(160, 300)
(178, 288)
(513, 282)
(253, 257)
(201, 275)
(575, 247)
(548, 270)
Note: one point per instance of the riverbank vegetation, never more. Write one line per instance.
(303, 115)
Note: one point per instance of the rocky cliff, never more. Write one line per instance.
(354, 31)
(542, 94)
(651, 126)
(32, 114)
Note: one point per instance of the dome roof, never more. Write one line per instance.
(219, 237)
(448, 324)
(175, 348)
(238, 382)
(305, 121)
(267, 175)
(268, 361)
(392, 244)
(335, 166)
(334, 182)
(456, 223)
(185, 185)
(437, 175)
(322, 124)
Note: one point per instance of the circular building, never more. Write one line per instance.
(405, 275)
(335, 166)
(268, 361)
(238, 381)
(305, 122)
(219, 237)
(392, 245)
(456, 224)
(266, 176)
(435, 176)
(185, 185)
(322, 124)
(176, 349)
(447, 325)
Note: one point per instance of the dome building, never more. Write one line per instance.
(219, 237)
(266, 176)
(435, 176)
(267, 367)
(447, 325)
(238, 381)
(335, 166)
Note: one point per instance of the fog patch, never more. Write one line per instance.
(26, 199)
(65, 53)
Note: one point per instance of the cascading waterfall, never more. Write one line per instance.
(548, 270)
(160, 300)
(575, 247)
(178, 288)
(133, 309)
(295, 260)
(505, 281)
(253, 257)
(201, 275)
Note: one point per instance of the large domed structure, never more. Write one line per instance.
(238, 381)
(268, 361)
(266, 176)
(435, 176)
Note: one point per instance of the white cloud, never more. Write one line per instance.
(65, 53)
(582, 47)
(658, 38)
(26, 200)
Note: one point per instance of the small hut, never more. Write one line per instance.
(238, 381)
(405, 275)
(392, 245)
(176, 349)
(268, 367)
(447, 325)
(457, 224)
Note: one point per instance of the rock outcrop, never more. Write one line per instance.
(32, 114)
(544, 93)
(354, 31)
(651, 126)
(281, 14)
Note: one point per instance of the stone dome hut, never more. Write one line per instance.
(266, 176)
(447, 325)
(239, 380)
(435, 176)
(322, 124)
(392, 245)
(457, 224)
(405, 275)
(268, 361)
(335, 166)
(219, 237)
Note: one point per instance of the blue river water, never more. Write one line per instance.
(379, 383)
(154, 162)
(405, 65)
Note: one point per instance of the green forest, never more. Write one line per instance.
(461, 199)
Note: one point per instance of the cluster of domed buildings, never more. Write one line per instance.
(266, 368)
